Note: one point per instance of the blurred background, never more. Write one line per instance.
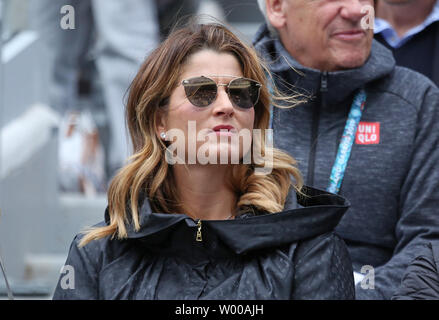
(64, 71)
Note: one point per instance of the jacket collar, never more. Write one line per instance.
(341, 84)
(304, 217)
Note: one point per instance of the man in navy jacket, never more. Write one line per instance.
(410, 29)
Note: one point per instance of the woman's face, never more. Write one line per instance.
(210, 133)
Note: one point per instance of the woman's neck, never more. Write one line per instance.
(204, 192)
(406, 15)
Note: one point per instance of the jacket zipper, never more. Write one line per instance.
(315, 128)
(199, 237)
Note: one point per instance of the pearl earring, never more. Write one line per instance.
(163, 135)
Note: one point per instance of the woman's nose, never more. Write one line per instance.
(222, 104)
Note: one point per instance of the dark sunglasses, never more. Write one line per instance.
(202, 91)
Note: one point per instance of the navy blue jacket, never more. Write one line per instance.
(419, 53)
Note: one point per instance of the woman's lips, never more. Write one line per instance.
(227, 130)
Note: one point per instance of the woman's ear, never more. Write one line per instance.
(160, 121)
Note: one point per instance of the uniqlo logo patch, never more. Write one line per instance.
(368, 133)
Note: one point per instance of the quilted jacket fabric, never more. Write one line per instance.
(293, 254)
(421, 280)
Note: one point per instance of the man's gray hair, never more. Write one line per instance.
(263, 7)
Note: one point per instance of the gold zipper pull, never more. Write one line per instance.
(199, 238)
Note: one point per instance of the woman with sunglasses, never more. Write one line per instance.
(187, 229)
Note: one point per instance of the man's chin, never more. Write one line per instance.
(349, 55)
(349, 61)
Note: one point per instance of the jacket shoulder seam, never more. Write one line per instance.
(411, 104)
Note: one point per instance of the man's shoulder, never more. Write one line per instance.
(410, 77)
(407, 85)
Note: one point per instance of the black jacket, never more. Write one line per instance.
(421, 280)
(293, 254)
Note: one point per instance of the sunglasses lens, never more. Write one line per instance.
(200, 91)
(244, 93)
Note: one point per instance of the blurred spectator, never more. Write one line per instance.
(71, 49)
(411, 30)
(81, 155)
(109, 41)
(126, 32)
(12, 17)
(170, 11)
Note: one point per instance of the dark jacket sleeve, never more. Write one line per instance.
(418, 220)
(421, 280)
(79, 278)
(323, 270)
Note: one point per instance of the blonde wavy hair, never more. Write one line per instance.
(148, 175)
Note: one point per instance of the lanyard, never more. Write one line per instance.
(347, 140)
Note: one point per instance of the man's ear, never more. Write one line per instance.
(275, 13)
